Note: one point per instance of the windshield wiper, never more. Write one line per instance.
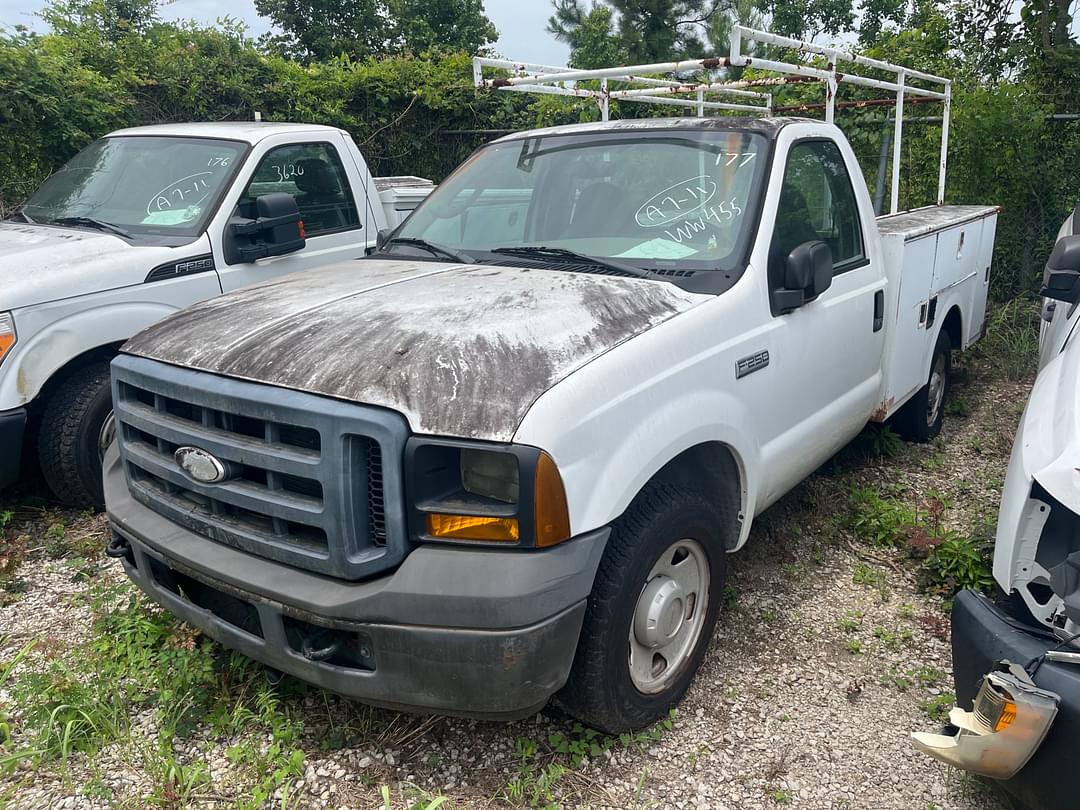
(432, 248)
(563, 255)
(91, 222)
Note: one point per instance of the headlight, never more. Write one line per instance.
(7, 334)
(475, 493)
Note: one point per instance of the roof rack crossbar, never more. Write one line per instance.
(528, 77)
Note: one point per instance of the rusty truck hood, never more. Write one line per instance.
(460, 350)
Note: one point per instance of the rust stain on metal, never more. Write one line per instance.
(879, 414)
(459, 350)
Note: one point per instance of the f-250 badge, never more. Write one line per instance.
(748, 365)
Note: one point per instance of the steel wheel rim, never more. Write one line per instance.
(669, 616)
(937, 390)
(107, 435)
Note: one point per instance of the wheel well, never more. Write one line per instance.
(951, 327)
(713, 469)
(106, 352)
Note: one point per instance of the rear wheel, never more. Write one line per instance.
(651, 612)
(76, 428)
(920, 419)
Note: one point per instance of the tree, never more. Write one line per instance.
(454, 25)
(317, 30)
(806, 19)
(591, 35)
(112, 19)
(646, 30)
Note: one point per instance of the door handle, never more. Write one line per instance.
(879, 310)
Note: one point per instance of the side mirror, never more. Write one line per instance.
(277, 229)
(1062, 280)
(807, 274)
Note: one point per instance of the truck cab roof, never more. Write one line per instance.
(767, 126)
(248, 131)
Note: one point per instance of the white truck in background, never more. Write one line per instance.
(505, 456)
(145, 222)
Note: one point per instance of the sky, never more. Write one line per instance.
(521, 23)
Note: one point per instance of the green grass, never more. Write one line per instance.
(937, 708)
(1011, 344)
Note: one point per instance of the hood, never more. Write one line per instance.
(459, 350)
(42, 263)
(1051, 425)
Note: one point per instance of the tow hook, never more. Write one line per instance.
(119, 548)
(273, 676)
(1009, 721)
(321, 645)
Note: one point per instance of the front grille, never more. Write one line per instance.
(310, 481)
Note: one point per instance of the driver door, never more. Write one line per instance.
(317, 177)
(827, 352)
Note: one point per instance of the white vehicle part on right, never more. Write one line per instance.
(1045, 450)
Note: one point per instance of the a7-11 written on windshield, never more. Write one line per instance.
(645, 199)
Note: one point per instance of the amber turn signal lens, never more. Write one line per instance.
(1007, 716)
(467, 527)
(551, 512)
(7, 334)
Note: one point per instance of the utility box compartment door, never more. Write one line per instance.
(911, 339)
(981, 288)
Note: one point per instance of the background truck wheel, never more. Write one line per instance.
(76, 421)
(651, 611)
(921, 417)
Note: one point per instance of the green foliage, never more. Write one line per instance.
(320, 30)
(937, 708)
(879, 520)
(958, 563)
(644, 30)
(1011, 344)
(952, 561)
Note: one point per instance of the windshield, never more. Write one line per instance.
(144, 184)
(650, 199)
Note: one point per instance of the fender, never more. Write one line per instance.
(599, 494)
(644, 403)
(50, 347)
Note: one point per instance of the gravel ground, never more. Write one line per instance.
(812, 682)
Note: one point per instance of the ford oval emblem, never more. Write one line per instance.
(204, 467)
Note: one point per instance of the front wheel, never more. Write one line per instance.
(76, 428)
(920, 419)
(651, 612)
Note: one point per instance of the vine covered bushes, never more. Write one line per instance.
(97, 70)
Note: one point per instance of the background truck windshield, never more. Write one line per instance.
(144, 184)
(644, 198)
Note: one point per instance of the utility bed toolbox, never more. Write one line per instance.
(936, 258)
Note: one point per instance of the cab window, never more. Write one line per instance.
(817, 203)
(313, 174)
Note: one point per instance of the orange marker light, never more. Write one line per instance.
(552, 513)
(468, 527)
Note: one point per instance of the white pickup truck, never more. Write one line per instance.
(507, 455)
(140, 224)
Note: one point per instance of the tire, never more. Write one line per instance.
(664, 523)
(920, 419)
(71, 428)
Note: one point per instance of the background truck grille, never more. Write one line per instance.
(311, 481)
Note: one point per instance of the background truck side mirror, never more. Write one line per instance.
(807, 274)
(1062, 280)
(276, 230)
